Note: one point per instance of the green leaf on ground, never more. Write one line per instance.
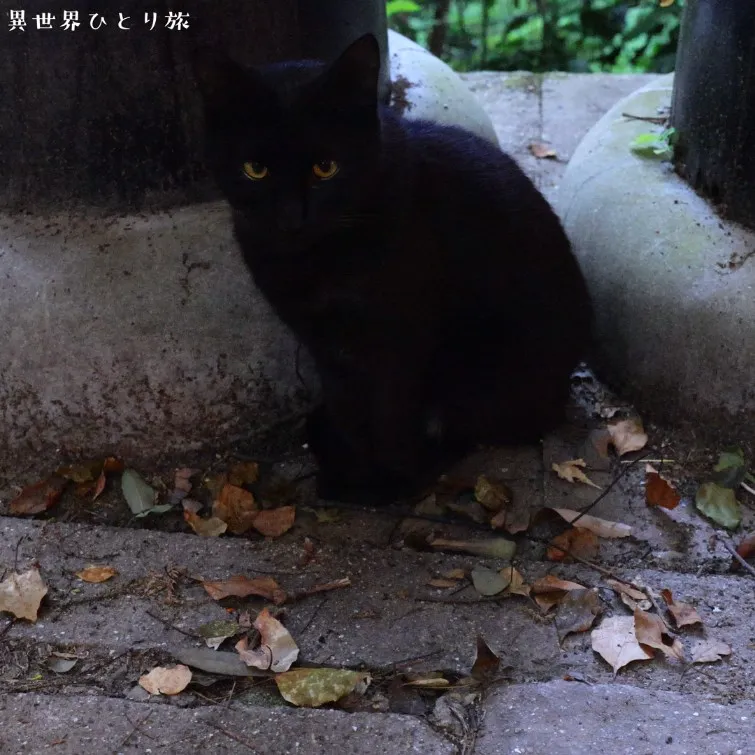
(139, 496)
(312, 687)
(654, 145)
(730, 470)
(719, 504)
(488, 582)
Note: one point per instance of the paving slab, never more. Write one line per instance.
(388, 616)
(569, 718)
(74, 726)
(556, 109)
(571, 104)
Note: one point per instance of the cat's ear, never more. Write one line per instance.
(354, 74)
(222, 82)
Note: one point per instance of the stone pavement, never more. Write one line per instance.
(389, 620)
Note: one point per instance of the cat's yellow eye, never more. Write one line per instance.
(255, 171)
(325, 169)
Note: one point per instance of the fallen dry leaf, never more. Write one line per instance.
(486, 664)
(277, 650)
(244, 473)
(216, 632)
(309, 553)
(236, 507)
(650, 630)
(240, 586)
(517, 585)
(615, 641)
(630, 596)
(97, 574)
(99, 488)
(39, 497)
(578, 541)
(628, 435)
(549, 591)
(709, 651)
(542, 151)
(577, 612)
(492, 495)
(166, 680)
(21, 594)
(211, 527)
(745, 549)
(496, 548)
(455, 574)
(571, 471)
(684, 614)
(658, 491)
(275, 522)
(512, 520)
(428, 682)
(599, 527)
(312, 687)
(442, 583)
(182, 479)
(665, 3)
(489, 582)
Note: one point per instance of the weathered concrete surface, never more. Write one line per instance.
(144, 334)
(35, 724)
(568, 718)
(389, 615)
(673, 284)
(425, 87)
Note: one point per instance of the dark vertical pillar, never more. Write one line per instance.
(713, 105)
(109, 117)
(327, 28)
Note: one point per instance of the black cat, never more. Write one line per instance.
(428, 277)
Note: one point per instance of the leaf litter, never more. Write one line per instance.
(21, 594)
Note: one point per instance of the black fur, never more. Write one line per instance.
(430, 280)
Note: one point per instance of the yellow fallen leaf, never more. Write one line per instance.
(571, 472)
(96, 574)
(599, 527)
(211, 527)
(492, 495)
(455, 574)
(312, 687)
(21, 594)
(166, 680)
(431, 682)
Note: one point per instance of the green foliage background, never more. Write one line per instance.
(620, 36)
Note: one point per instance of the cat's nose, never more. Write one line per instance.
(290, 216)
